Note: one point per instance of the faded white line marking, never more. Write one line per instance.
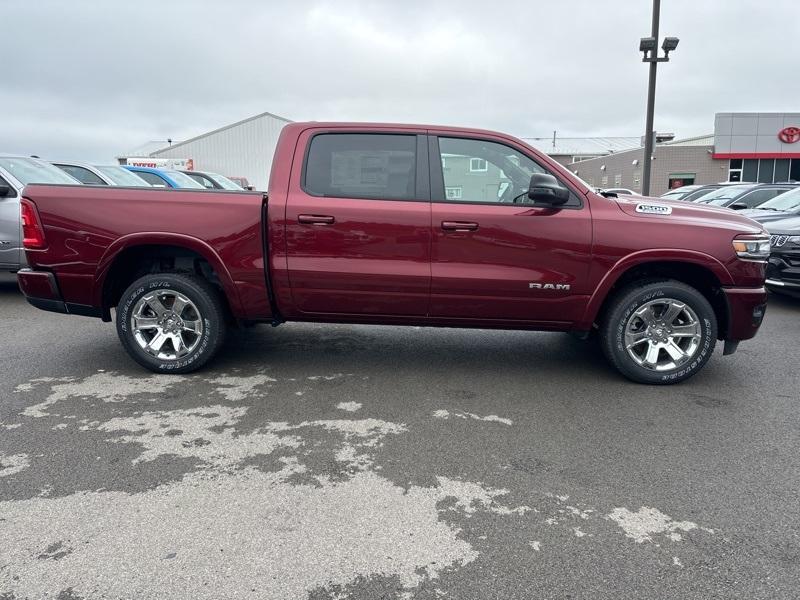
(349, 406)
(13, 464)
(236, 388)
(107, 387)
(643, 524)
(445, 414)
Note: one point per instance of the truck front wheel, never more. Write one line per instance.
(659, 332)
(171, 322)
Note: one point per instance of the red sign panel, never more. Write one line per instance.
(789, 135)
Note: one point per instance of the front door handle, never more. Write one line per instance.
(459, 226)
(316, 219)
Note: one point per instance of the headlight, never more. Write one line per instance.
(755, 247)
(794, 239)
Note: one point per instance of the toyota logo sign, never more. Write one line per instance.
(789, 135)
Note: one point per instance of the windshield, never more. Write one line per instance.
(184, 180)
(121, 176)
(724, 194)
(226, 183)
(30, 170)
(788, 201)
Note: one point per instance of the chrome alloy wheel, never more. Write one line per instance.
(166, 324)
(662, 334)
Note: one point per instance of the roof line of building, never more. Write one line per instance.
(220, 129)
(689, 139)
(641, 148)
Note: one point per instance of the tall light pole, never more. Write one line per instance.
(649, 47)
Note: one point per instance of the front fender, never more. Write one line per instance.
(641, 257)
(166, 239)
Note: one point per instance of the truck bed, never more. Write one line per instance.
(224, 227)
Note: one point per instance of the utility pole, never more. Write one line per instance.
(649, 47)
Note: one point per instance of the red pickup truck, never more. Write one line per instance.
(400, 224)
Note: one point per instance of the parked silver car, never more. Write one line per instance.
(15, 173)
(100, 174)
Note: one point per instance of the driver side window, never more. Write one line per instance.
(485, 172)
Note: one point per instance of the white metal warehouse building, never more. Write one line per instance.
(243, 149)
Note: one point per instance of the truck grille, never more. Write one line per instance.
(776, 241)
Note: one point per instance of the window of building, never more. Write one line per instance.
(478, 165)
(781, 170)
(794, 170)
(604, 180)
(766, 170)
(357, 165)
(453, 193)
(735, 170)
(618, 179)
(750, 170)
(677, 180)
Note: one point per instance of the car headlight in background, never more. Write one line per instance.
(794, 239)
(752, 247)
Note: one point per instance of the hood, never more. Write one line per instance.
(789, 226)
(677, 211)
(765, 216)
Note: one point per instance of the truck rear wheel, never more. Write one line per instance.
(659, 332)
(171, 322)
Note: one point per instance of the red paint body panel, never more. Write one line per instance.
(391, 261)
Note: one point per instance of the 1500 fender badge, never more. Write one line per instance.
(654, 209)
(549, 286)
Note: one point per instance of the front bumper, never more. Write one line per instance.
(746, 308)
(783, 272)
(41, 290)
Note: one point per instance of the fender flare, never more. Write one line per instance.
(701, 259)
(158, 238)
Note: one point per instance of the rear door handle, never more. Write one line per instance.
(316, 219)
(459, 226)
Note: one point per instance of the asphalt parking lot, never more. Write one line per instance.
(380, 462)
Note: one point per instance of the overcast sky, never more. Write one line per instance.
(92, 79)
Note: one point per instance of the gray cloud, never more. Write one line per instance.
(89, 79)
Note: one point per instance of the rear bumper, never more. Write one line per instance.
(41, 290)
(746, 308)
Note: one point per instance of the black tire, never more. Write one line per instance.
(205, 307)
(620, 315)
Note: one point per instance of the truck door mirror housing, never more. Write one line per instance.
(738, 206)
(546, 189)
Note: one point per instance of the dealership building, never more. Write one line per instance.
(241, 149)
(747, 147)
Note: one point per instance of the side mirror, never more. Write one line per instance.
(546, 189)
(4, 191)
(738, 206)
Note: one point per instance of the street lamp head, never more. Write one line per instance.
(648, 44)
(670, 43)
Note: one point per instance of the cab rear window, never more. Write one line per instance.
(369, 166)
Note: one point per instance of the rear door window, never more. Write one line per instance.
(152, 179)
(82, 174)
(357, 165)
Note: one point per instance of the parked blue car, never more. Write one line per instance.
(165, 178)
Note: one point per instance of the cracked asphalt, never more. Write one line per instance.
(337, 462)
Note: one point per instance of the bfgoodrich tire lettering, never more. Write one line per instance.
(659, 332)
(170, 322)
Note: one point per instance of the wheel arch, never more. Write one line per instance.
(701, 271)
(117, 268)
